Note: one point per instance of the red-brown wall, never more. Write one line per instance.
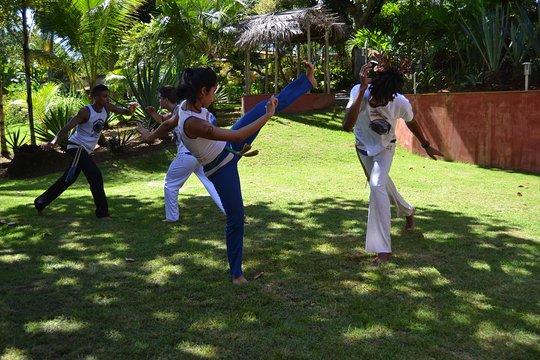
(499, 129)
(308, 102)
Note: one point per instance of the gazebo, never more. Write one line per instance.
(299, 26)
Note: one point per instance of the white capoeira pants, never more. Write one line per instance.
(179, 171)
(382, 191)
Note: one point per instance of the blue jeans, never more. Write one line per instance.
(227, 181)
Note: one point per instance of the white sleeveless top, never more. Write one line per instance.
(181, 148)
(203, 149)
(87, 133)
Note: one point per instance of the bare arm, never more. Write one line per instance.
(351, 115)
(122, 110)
(417, 132)
(162, 130)
(156, 116)
(81, 117)
(195, 128)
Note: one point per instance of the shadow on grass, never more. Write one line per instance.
(458, 287)
(326, 120)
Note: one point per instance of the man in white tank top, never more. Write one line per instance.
(88, 124)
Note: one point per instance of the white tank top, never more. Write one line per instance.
(87, 133)
(181, 148)
(203, 149)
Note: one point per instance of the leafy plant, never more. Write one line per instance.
(90, 30)
(53, 121)
(145, 82)
(15, 140)
(488, 32)
(531, 34)
(372, 39)
(120, 140)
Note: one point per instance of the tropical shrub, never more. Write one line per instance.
(52, 123)
(146, 80)
(15, 140)
(120, 140)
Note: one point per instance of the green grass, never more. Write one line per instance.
(464, 285)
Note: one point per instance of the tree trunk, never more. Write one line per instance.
(361, 18)
(3, 145)
(26, 53)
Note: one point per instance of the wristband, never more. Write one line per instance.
(425, 145)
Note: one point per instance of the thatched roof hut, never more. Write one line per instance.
(300, 26)
(291, 26)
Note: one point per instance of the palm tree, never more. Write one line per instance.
(89, 30)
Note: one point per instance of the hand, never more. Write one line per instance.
(48, 146)
(132, 106)
(364, 75)
(151, 110)
(271, 106)
(143, 131)
(432, 152)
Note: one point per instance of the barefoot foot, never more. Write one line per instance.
(310, 73)
(241, 280)
(409, 221)
(381, 257)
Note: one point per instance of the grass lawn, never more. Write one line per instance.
(464, 285)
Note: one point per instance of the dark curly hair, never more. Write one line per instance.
(386, 84)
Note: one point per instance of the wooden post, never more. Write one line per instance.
(247, 74)
(308, 42)
(266, 71)
(326, 63)
(276, 67)
(298, 60)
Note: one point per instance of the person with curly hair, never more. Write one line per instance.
(374, 107)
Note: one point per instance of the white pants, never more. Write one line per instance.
(179, 171)
(382, 191)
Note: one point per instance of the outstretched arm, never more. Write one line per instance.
(159, 118)
(195, 128)
(162, 130)
(122, 110)
(417, 131)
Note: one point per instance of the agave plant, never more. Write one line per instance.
(488, 32)
(120, 140)
(531, 34)
(53, 121)
(145, 83)
(15, 140)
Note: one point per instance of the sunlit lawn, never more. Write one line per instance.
(464, 285)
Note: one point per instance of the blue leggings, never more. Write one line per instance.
(227, 181)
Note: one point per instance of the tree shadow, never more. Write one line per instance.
(70, 287)
(325, 120)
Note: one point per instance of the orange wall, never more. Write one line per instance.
(498, 129)
(308, 102)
